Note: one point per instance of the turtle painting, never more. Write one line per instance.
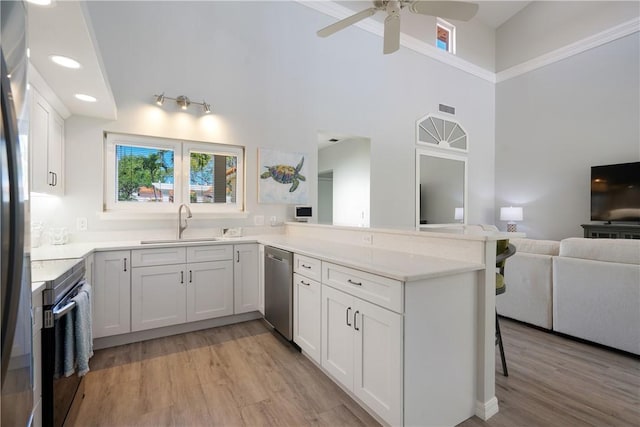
(285, 174)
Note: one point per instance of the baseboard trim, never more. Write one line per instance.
(116, 340)
(486, 410)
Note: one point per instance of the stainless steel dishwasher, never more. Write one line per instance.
(278, 290)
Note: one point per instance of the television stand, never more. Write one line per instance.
(612, 231)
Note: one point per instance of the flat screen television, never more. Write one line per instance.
(615, 192)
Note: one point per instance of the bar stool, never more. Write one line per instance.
(504, 251)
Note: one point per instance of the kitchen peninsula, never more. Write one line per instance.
(404, 319)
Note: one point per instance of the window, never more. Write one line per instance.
(445, 36)
(156, 175)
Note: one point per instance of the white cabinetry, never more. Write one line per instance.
(180, 284)
(111, 293)
(362, 342)
(307, 304)
(245, 278)
(46, 139)
(261, 279)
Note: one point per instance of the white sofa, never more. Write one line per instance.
(596, 291)
(528, 276)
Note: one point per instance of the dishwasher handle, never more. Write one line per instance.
(275, 258)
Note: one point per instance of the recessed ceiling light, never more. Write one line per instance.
(85, 98)
(40, 2)
(65, 61)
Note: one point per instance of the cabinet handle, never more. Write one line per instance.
(306, 266)
(125, 264)
(182, 277)
(348, 308)
(354, 283)
(237, 256)
(355, 319)
(55, 179)
(305, 283)
(190, 276)
(50, 179)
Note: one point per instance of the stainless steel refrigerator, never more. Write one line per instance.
(15, 306)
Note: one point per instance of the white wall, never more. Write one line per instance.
(350, 162)
(544, 26)
(554, 123)
(272, 83)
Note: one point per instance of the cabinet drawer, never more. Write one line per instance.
(209, 253)
(309, 267)
(376, 289)
(158, 256)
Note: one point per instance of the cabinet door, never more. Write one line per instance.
(55, 154)
(337, 335)
(111, 293)
(307, 307)
(261, 279)
(245, 278)
(378, 360)
(158, 296)
(38, 142)
(209, 290)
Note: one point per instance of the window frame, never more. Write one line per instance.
(181, 170)
(449, 28)
(220, 150)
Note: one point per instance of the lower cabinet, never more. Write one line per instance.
(307, 303)
(245, 278)
(167, 295)
(362, 350)
(111, 289)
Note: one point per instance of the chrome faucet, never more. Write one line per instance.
(181, 227)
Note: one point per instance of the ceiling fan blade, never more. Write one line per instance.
(337, 26)
(461, 11)
(391, 34)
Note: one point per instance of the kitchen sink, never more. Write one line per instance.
(201, 239)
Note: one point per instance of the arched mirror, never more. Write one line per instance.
(441, 172)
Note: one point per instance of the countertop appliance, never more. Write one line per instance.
(15, 305)
(62, 278)
(278, 290)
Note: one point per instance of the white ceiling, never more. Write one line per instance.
(62, 29)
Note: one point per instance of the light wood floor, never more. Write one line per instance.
(245, 375)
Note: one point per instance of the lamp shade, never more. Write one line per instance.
(510, 214)
(458, 213)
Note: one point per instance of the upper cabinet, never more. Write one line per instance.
(46, 136)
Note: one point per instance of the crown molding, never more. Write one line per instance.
(626, 28)
(606, 36)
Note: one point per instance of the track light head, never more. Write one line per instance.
(206, 107)
(183, 102)
(160, 99)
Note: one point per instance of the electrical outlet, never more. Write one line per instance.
(367, 238)
(258, 220)
(81, 224)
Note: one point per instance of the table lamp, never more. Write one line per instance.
(511, 215)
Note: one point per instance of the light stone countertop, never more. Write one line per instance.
(396, 265)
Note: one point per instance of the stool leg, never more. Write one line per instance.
(499, 339)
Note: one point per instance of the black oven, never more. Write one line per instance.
(62, 279)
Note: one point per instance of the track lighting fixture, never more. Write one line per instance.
(183, 102)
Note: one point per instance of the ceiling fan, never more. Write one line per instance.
(461, 11)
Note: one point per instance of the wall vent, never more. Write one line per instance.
(447, 109)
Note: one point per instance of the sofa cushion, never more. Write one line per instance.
(625, 251)
(533, 246)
